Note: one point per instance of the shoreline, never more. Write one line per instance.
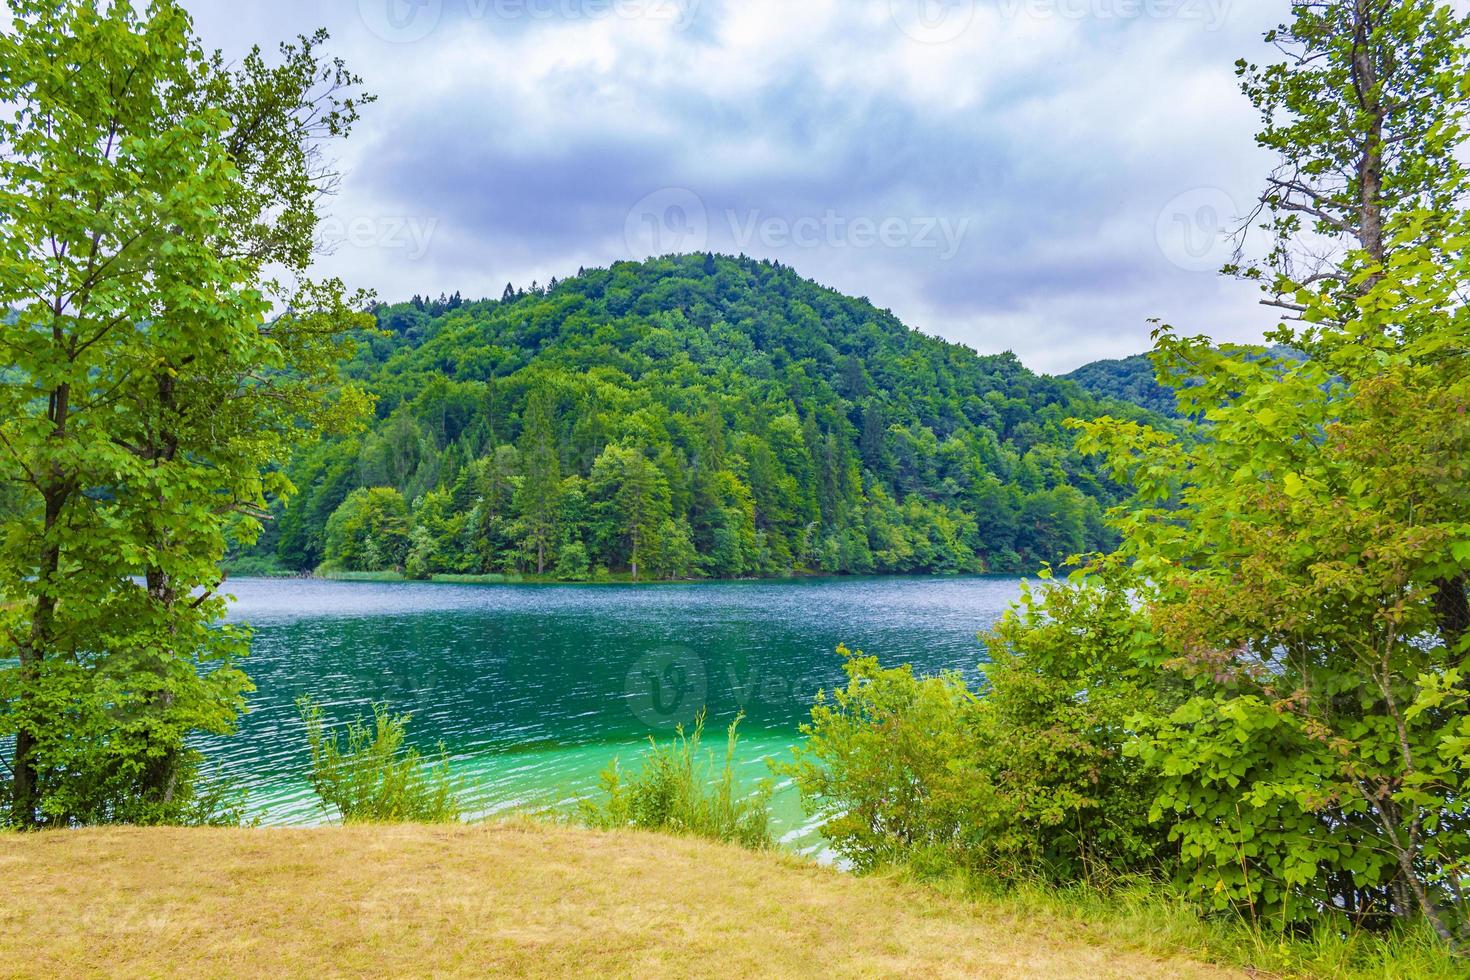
(621, 579)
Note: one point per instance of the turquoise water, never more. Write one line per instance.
(534, 689)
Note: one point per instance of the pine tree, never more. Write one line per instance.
(541, 480)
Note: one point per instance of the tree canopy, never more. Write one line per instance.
(700, 415)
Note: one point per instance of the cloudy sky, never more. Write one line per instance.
(1040, 176)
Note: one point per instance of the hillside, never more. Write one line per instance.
(490, 900)
(688, 416)
(1128, 379)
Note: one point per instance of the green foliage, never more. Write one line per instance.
(257, 566)
(675, 790)
(1129, 379)
(1273, 665)
(572, 563)
(373, 777)
(702, 416)
(1025, 778)
(1309, 552)
(1302, 553)
(369, 532)
(150, 193)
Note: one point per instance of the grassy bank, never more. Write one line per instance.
(1150, 917)
(513, 898)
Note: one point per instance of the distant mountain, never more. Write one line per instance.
(690, 416)
(1130, 379)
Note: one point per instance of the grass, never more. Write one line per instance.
(1150, 918)
(676, 789)
(518, 898)
(368, 775)
(362, 576)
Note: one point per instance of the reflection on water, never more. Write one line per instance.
(534, 689)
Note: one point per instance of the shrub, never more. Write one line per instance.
(1026, 778)
(375, 778)
(676, 791)
(572, 564)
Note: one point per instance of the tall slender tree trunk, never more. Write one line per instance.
(1370, 163)
(161, 777)
(25, 789)
(1451, 604)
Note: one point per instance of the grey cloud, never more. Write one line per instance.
(1058, 173)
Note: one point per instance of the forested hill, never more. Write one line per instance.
(691, 416)
(1135, 380)
(1130, 379)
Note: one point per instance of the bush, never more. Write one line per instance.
(572, 564)
(676, 791)
(375, 779)
(1026, 778)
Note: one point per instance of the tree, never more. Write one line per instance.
(633, 499)
(370, 532)
(1310, 548)
(1368, 118)
(540, 488)
(147, 188)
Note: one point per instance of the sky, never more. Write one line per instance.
(1040, 176)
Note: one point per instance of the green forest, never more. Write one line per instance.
(684, 417)
(1130, 379)
(1231, 723)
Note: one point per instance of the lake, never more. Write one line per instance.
(534, 689)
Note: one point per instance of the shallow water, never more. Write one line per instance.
(534, 689)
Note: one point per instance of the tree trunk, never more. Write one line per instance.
(25, 788)
(1370, 163)
(162, 775)
(1452, 609)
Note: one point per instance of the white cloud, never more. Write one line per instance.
(1058, 139)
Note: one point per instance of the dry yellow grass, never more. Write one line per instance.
(516, 898)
